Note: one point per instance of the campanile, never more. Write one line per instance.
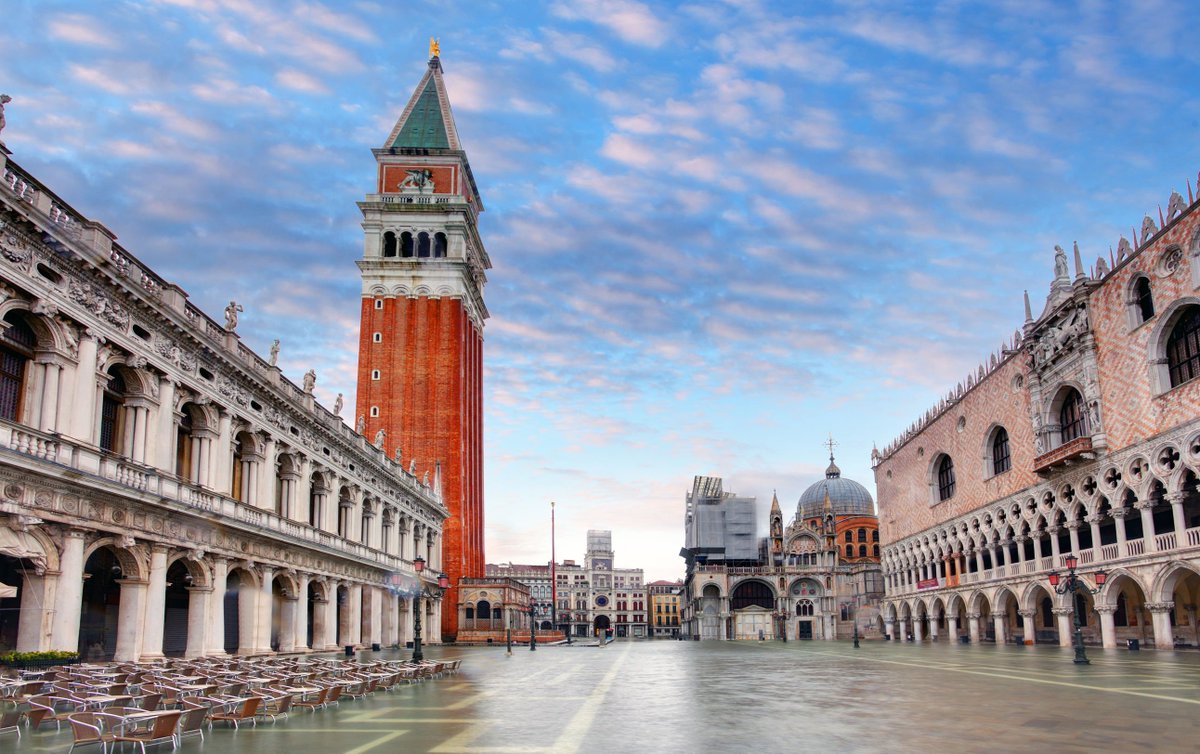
(420, 362)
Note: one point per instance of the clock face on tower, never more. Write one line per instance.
(601, 601)
(602, 564)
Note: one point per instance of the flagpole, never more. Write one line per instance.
(553, 573)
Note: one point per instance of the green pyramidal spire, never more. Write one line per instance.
(427, 122)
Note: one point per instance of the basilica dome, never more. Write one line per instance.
(846, 496)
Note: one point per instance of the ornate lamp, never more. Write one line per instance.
(419, 564)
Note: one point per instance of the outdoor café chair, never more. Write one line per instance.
(191, 721)
(91, 728)
(244, 710)
(160, 729)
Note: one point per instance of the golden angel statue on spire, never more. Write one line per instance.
(434, 48)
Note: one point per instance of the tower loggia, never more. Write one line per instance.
(420, 369)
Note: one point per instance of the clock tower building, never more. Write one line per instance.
(420, 367)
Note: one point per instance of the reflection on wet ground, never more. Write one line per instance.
(749, 697)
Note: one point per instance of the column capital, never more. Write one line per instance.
(1105, 609)
(1160, 607)
(1176, 498)
(1120, 512)
(974, 616)
(158, 548)
(1053, 530)
(1027, 614)
(1061, 610)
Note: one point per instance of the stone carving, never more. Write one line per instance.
(274, 360)
(231, 315)
(1101, 267)
(4, 100)
(1175, 206)
(1171, 260)
(397, 456)
(1060, 262)
(419, 179)
(380, 436)
(310, 381)
(337, 404)
(14, 248)
(1124, 249)
(1148, 228)
(412, 466)
(360, 426)
(425, 479)
(99, 304)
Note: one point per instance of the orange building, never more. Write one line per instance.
(420, 368)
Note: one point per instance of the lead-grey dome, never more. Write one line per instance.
(846, 496)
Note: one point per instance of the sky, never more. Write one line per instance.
(720, 231)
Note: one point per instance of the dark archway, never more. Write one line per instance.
(101, 606)
(234, 585)
(601, 623)
(175, 612)
(750, 593)
(12, 573)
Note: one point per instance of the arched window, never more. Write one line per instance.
(849, 551)
(849, 536)
(804, 608)
(16, 350)
(406, 244)
(439, 245)
(470, 613)
(1143, 300)
(110, 411)
(875, 536)
(1183, 348)
(875, 549)
(423, 245)
(945, 478)
(1072, 417)
(1001, 460)
(862, 535)
(389, 244)
(862, 551)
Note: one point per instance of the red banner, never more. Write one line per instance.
(927, 584)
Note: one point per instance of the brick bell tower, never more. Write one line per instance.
(420, 362)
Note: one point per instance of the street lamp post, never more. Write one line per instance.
(532, 625)
(782, 616)
(1074, 585)
(443, 582)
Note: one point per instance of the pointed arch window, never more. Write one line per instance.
(945, 475)
(439, 245)
(1143, 299)
(16, 350)
(406, 244)
(423, 245)
(389, 244)
(1072, 417)
(1001, 459)
(1183, 348)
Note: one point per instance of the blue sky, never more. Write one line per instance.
(720, 230)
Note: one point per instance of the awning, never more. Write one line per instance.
(18, 544)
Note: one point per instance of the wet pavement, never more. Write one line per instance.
(748, 697)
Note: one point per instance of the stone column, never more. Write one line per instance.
(339, 619)
(1002, 551)
(973, 627)
(933, 628)
(1073, 532)
(952, 628)
(320, 608)
(199, 599)
(889, 628)
(68, 597)
(48, 416)
(1147, 512)
(130, 617)
(1160, 617)
(300, 642)
(1062, 618)
(1029, 625)
(1119, 515)
(1176, 499)
(303, 490)
(156, 603)
(354, 617)
(376, 615)
(1108, 630)
(221, 461)
(165, 433)
(83, 400)
(33, 626)
(266, 610)
(248, 618)
(391, 609)
(1037, 552)
(268, 475)
(1054, 551)
(1019, 540)
(216, 606)
(999, 623)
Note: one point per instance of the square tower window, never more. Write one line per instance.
(378, 303)
(374, 411)
(377, 337)
(374, 374)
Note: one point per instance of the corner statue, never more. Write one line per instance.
(231, 315)
(4, 100)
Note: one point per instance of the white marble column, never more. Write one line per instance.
(300, 629)
(268, 476)
(973, 627)
(48, 415)
(918, 628)
(1160, 617)
(952, 628)
(199, 599)
(889, 628)
(1029, 625)
(165, 434)
(248, 618)
(68, 597)
(302, 491)
(266, 610)
(376, 615)
(130, 617)
(287, 623)
(1054, 551)
(156, 604)
(221, 461)
(1147, 512)
(354, 617)
(1062, 619)
(1108, 629)
(391, 618)
(216, 606)
(83, 406)
(1000, 625)
(337, 624)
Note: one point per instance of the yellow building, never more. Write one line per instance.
(664, 608)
